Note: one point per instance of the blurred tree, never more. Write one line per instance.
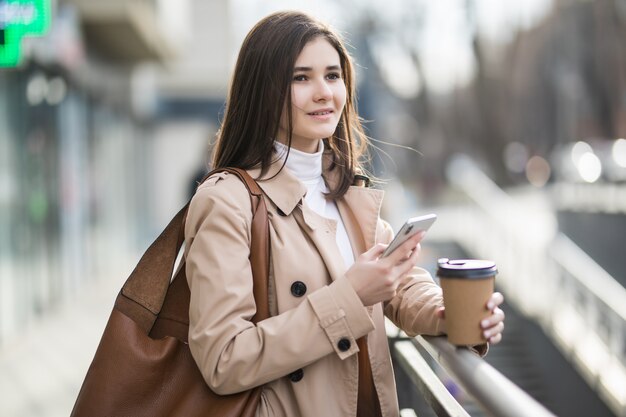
(562, 80)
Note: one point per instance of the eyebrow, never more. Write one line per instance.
(328, 68)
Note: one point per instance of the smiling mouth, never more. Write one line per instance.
(320, 113)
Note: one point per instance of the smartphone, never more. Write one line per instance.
(409, 228)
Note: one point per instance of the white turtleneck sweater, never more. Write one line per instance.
(307, 167)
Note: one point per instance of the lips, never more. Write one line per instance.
(321, 112)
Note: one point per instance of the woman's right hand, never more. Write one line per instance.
(376, 279)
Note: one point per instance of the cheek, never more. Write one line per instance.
(340, 95)
(298, 96)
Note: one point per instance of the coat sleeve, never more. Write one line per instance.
(232, 353)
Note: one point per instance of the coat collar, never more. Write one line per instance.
(280, 186)
(360, 205)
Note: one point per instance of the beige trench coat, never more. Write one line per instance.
(305, 355)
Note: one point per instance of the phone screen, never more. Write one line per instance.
(411, 227)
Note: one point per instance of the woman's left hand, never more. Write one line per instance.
(493, 325)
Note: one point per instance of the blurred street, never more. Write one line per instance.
(43, 368)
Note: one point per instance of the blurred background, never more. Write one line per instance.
(507, 119)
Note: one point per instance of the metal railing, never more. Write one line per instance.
(491, 390)
(603, 198)
(545, 275)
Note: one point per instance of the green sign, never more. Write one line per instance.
(19, 18)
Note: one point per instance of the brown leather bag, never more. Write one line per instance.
(143, 366)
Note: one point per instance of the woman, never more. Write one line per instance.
(291, 122)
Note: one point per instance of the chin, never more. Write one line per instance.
(323, 134)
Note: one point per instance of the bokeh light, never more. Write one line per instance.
(538, 171)
(578, 150)
(515, 157)
(619, 152)
(589, 167)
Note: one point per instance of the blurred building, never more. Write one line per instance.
(103, 124)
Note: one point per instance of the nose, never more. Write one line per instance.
(322, 91)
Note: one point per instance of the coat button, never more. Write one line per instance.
(298, 289)
(296, 375)
(343, 344)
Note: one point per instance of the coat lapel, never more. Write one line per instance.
(322, 233)
(280, 186)
(359, 209)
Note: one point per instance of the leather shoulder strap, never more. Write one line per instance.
(145, 290)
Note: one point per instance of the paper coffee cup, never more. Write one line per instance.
(467, 285)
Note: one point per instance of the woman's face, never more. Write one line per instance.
(318, 95)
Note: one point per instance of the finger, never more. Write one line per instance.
(497, 317)
(401, 251)
(374, 252)
(406, 264)
(495, 300)
(490, 334)
(497, 329)
(495, 339)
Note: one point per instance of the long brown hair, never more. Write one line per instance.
(261, 85)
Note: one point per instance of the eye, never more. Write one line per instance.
(300, 77)
(334, 76)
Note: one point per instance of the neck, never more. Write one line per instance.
(305, 166)
(303, 145)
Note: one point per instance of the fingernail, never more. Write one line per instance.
(486, 334)
(484, 323)
(490, 305)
